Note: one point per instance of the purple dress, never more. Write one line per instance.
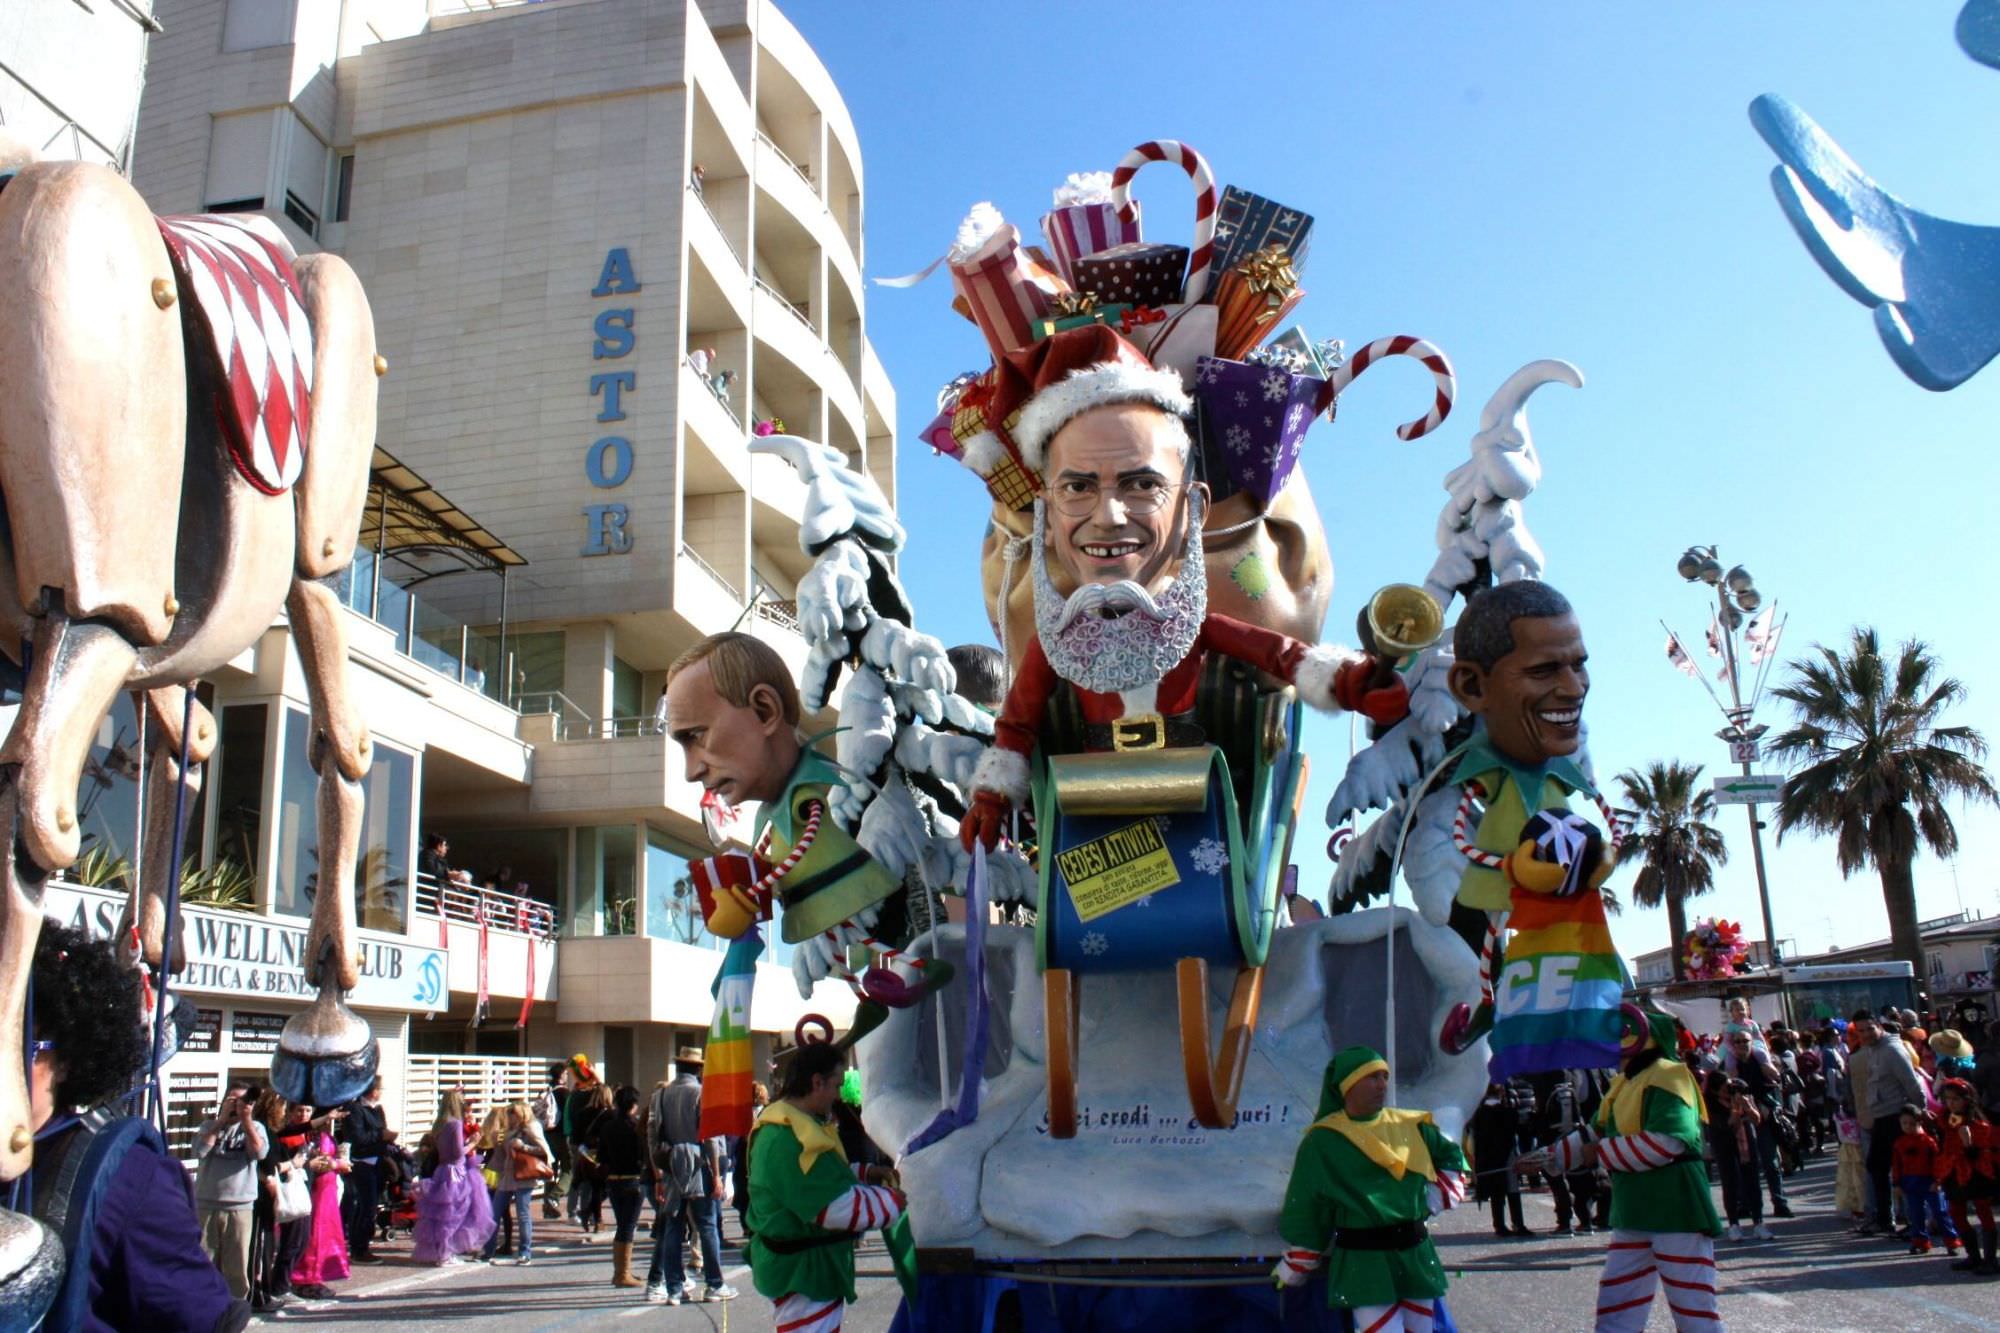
(454, 1214)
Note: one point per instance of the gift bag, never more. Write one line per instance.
(1254, 422)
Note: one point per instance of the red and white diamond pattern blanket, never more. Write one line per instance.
(237, 268)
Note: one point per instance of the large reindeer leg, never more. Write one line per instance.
(327, 1055)
(147, 905)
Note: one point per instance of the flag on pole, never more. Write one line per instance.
(1714, 635)
(1771, 640)
(725, 1087)
(1758, 633)
(1679, 657)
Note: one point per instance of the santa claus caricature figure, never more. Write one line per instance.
(1108, 434)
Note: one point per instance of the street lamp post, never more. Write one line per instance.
(1736, 595)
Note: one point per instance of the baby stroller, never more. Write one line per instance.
(397, 1213)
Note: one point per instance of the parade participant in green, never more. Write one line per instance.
(806, 1207)
(1647, 1134)
(1364, 1181)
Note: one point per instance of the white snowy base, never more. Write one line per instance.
(1138, 1179)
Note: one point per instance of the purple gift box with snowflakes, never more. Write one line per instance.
(1254, 420)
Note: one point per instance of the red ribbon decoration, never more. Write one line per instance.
(1133, 316)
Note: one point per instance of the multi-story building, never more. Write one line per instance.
(603, 240)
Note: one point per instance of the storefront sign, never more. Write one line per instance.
(244, 954)
(206, 1035)
(252, 1033)
(607, 463)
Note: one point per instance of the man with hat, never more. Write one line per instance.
(1107, 433)
(1364, 1181)
(1647, 1135)
(688, 1184)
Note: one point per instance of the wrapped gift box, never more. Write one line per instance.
(1007, 289)
(1246, 223)
(1138, 274)
(1175, 338)
(1116, 316)
(1079, 231)
(1254, 421)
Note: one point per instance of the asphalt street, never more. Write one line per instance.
(1813, 1279)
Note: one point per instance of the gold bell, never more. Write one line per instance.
(1404, 619)
(164, 292)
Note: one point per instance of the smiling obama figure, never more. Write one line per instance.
(1520, 668)
(1120, 517)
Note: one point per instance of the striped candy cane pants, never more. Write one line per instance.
(803, 1314)
(1639, 1262)
(1402, 1317)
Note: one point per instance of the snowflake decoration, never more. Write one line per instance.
(1210, 856)
(1236, 439)
(1164, 824)
(1095, 944)
(1275, 386)
(1242, 398)
(1209, 371)
(1294, 417)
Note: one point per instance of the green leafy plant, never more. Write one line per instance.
(228, 885)
(98, 868)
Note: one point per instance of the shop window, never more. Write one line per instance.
(382, 869)
(606, 901)
(108, 800)
(239, 790)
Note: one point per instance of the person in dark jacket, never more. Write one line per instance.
(1497, 1139)
(621, 1154)
(147, 1268)
(366, 1132)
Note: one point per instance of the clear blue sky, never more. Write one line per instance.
(1512, 181)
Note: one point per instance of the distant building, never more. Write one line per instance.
(603, 240)
(1961, 959)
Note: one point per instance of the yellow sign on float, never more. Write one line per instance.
(1121, 867)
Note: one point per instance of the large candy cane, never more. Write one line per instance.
(1404, 345)
(1205, 200)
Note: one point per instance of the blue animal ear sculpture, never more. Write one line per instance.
(1934, 284)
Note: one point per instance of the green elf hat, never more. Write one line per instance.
(1347, 1068)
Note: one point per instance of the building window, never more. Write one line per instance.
(251, 25)
(239, 789)
(239, 162)
(382, 869)
(535, 668)
(343, 186)
(296, 210)
(606, 901)
(628, 711)
(673, 911)
(305, 175)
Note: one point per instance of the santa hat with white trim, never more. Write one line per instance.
(1034, 391)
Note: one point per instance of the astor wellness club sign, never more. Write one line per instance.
(244, 955)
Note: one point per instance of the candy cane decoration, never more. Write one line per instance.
(793, 857)
(1403, 345)
(1205, 202)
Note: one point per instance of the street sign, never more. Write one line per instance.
(1749, 789)
(1743, 752)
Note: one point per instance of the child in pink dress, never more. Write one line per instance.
(325, 1256)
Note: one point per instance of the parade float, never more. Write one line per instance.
(1126, 1012)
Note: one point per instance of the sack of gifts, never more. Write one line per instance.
(1254, 420)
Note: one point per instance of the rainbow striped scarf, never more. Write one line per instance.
(1556, 998)
(725, 1087)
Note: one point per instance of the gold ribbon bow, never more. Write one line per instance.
(1074, 303)
(1269, 273)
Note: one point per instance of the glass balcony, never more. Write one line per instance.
(446, 645)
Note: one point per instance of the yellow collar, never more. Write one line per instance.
(814, 1136)
(1625, 1099)
(1393, 1140)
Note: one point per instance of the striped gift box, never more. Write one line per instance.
(1008, 288)
(1081, 230)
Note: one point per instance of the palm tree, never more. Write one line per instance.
(1876, 767)
(1677, 846)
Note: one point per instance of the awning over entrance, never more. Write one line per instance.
(410, 522)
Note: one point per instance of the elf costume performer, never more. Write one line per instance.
(1647, 1134)
(1364, 1181)
(806, 1207)
(1550, 995)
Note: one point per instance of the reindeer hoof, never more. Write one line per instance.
(31, 1270)
(326, 1055)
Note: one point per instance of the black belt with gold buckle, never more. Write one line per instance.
(1147, 731)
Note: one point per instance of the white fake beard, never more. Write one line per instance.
(1109, 638)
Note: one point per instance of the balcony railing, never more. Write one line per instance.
(786, 158)
(784, 614)
(497, 908)
(721, 230)
(712, 572)
(715, 391)
(446, 645)
(786, 302)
